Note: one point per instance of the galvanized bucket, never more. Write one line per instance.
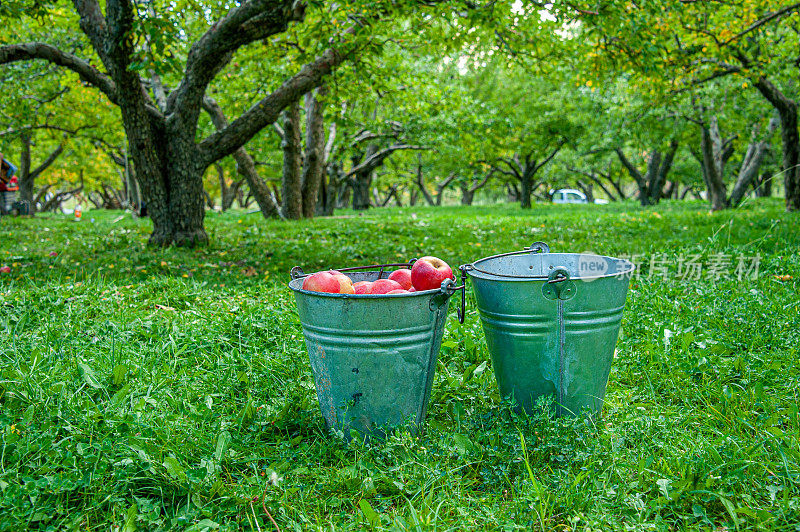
(551, 322)
(373, 356)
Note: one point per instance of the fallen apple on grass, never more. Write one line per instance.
(5, 269)
(428, 273)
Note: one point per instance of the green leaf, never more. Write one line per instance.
(223, 440)
(130, 519)
(480, 369)
(203, 526)
(174, 468)
(88, 376)
(118, 374)
(121, 394)
(371, 515)
(731, 510)
(463, 444)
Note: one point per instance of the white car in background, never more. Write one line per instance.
(571, 195)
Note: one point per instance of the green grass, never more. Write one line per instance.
(171, 389)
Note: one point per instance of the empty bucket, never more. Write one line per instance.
(551, 322)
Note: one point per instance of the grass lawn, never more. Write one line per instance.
(171, 389)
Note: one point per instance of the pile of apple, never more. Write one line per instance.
(427, 273)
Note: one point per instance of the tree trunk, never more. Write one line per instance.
(656, 185)
(442, 186)
(790, 141)
(763, 184)
(227, 193)
(329, 189)
(467, 195)
(25, 178)
(714, 166)
(314, 162)
(361, 181)
(186, 202)
(343, 195)
(650, 184)
(28, 175)
(360, 186)
(588, 190)
(512, 193)
(420, 181)
(751, 163)
(291, 184)
(527, 189)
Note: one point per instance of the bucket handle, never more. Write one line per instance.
(297, 272)
(462, 310)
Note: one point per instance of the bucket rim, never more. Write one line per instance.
(476, 272)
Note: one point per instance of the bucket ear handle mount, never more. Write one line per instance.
(448, 289)
(559, 285)
(539, 247)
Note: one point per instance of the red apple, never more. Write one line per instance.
(429, 272)
(362, 287)
(412, 289)
(402, 276)
(384, 286)
(398, 291)
(5, 269)
(321, 282)
(345, 283)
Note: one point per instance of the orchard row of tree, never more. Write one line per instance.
(304, 107)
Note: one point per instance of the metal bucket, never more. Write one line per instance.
(373, 356)
(551, 322)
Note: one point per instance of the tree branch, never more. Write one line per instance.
(246, 167)
(250, 21)
(480, 184)
(632, 170)
(758, 23)
(47, 162)
(377, 158)
(39, 50)
(266, 111)
(93, 24)
(512, 170)
(550, 157)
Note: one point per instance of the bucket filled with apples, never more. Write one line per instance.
(373, 335)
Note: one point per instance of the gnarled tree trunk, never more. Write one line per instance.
(27, 176)
(790, 140)
(291, 185)
(524, 170)
(650, 185)
(314, 162)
